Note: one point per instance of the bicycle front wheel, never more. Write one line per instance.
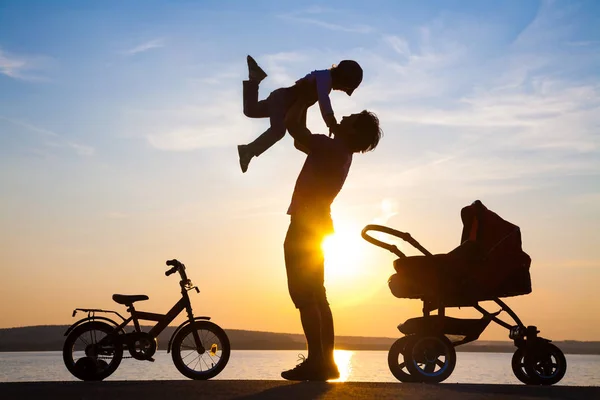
(205, 361)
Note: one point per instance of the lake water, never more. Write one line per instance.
(357, 366)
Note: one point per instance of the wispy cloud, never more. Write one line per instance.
(22, 67)
(480, 123)
(209, 123)
(52, 139)
(308, 16)
(458, 118)
(149, 45)
(399, 44)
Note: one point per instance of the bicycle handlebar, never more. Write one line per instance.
(175, 264)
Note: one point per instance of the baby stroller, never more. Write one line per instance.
(489, 264)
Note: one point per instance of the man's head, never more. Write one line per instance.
(360, 131)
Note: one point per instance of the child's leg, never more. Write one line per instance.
(276, 131)
(252, 107)
(278, 103)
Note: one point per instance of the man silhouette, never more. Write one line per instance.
(322, 176)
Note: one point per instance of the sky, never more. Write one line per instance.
(119, 123)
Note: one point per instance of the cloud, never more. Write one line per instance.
(399, 44)
(52, 139)
(149, 45)
(81, 149)
(22, 67)
(308, 17)
(459, 118)
(214, 121)
(462, 120)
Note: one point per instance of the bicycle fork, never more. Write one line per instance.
(199, 346)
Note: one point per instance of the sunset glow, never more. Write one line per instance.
(119, 127)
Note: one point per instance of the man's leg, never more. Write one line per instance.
(328, 342)
(327, 336)
(297, 262)
(310, 316)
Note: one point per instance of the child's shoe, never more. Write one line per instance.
(245, 156)
(255, 73)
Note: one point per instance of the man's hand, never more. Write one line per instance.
(295, 120)
(333, 129)
(330, 120)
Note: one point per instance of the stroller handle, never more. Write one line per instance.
(388, 246)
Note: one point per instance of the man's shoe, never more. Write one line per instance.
(245, 156)
(305, 371)
(255, 73)
(330, 371)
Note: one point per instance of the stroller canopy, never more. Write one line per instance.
(488, 263)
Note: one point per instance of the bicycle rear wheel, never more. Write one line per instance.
(89, 354)
(204, 363)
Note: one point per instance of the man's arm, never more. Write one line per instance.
(296, 125)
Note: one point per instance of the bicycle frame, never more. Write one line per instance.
(162, 320)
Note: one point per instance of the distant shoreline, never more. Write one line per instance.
(51, 338)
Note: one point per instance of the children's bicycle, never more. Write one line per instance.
(95, 345)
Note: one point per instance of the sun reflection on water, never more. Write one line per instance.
(343, 359)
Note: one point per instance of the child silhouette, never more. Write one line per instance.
(316, 86)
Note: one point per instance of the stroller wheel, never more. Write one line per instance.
(545, 364)
(396, 360)
(430, 358)
(518, 367)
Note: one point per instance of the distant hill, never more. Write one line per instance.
(51, 337)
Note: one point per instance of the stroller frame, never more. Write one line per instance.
(416, 356)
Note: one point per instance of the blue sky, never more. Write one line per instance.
(118, 127)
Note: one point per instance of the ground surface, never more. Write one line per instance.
(187, 389)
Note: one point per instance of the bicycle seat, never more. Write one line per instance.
(127, 299)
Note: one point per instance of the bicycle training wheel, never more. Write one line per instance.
(88, 354)
(206, 362)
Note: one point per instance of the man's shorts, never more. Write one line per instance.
(304, 260)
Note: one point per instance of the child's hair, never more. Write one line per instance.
(349, 73)
(367, 132)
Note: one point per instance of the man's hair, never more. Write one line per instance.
(367, 132)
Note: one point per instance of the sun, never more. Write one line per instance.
(343, 255)
(351, 276)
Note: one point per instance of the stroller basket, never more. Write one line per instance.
(489, 263)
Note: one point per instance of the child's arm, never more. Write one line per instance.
(323, 82)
